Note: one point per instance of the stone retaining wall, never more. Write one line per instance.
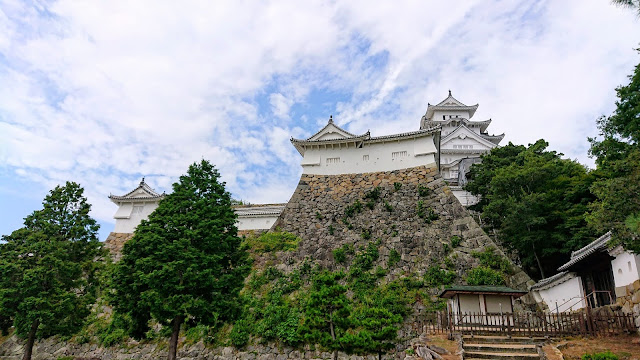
(316, 213)
(630, 302)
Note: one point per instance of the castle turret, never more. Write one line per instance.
(134, 206)
(463, 141)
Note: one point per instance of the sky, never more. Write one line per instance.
(105, 92)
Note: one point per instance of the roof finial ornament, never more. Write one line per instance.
(449, 92)
(330, 119)
(142, 182)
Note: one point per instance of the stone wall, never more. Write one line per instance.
(630, 302)
(52, 349)
(115, 243)
(316, 213)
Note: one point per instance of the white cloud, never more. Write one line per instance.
(106, 92)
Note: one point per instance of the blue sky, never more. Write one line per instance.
(103, 93)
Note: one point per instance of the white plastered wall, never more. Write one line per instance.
(372, 157)
(127, 220)
(256, 223)
(567, 296)
(625, 271)
(437, 115)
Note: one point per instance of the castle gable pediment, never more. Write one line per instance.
(464, 133)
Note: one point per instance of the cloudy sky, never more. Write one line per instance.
(106, 92)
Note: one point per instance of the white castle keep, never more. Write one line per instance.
(447, 137)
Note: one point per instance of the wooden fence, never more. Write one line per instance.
(527, 323)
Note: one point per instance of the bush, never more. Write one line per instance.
(366, 234)
(352, 209)
(491, 259)
(394, 258)
(607, 355)
(455, 241)
(240, 333)
(397, 186)
(371, 204)
(424, 191)
(388, 206)
(339, 255)
(373, 194)
(484, 276)
(436, 277)
(273, 241)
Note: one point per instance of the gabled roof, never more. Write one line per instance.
(599, 245)
(463, 130)
(483, 124)
(142, 192)
(450, 103)
(331, 129)
(258, 210)
(480, 289)
(493, 138)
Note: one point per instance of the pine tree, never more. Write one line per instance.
(46, 268)
(185, 261)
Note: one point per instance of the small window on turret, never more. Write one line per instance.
(333, 160)
(444, 117)
(137, 210)
(365, 157)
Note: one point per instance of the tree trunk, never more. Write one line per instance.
(28, 348)
(538, 260)
(173, 342)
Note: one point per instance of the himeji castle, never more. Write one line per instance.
(447, 137)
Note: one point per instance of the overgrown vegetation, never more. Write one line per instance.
(435, 276)
(607, 355)
(426, 213)
(424, 191)
(271, 242)
(483, 275)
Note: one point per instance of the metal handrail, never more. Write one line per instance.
(584, 298)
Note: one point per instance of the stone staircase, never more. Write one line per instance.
(500, 347)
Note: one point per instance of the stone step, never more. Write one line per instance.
(513, 348)
(475, 355)
(484, 339)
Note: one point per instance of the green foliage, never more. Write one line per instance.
(366, 234)
(373, 194)
(617, 153)
(424, 191)
(394, 258)
(491, 259)
(339, 255)
(536, 201)
(48, 277)
(65, 358)
(428, 214)
(388, 206)
(240, 334)
(484, 276)
(446, 248)
(331, 229)
(318, 215)
(353, 209)
(435, 276)
(375, 330)
(455, 241)
(272, 242)
(397, 186)
(186, 261)
(607, 355)
(370, 204)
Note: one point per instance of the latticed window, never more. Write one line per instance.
(399, 154)
(334, 160)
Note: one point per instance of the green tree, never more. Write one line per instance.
(47, 270)
(535, 201)
(327, 311)
(632, 4)
(374, 331)
(186, 260)
(617, 153)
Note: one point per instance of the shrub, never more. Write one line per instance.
(331, 230)
(318, 215)
(370, 204)
(424, 191)
(339, 255)
(273, 241)
(388, 206)
(491, 259)
(394, 258)
(455, 241)
(240, 333)
(437, 277)
(352, 209)
(366, 234)
(607, 355)
(446, 248)
(373, 194)
(484, 276)
(397, 186)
